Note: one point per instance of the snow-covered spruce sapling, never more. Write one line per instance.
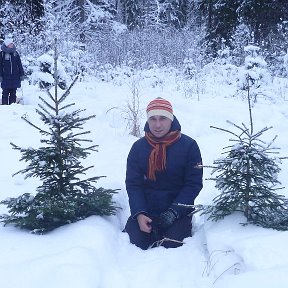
(64, 196)
(257, 73)
(247, 179)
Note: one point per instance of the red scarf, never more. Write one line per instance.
(157, 158)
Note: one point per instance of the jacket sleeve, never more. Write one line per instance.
(135, 183)
(193, 182)
(20, 66)
(1, 63)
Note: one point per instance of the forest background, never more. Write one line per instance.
(142, 33)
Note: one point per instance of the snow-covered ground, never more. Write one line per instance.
(94, 252)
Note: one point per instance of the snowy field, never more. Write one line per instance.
(94, 253)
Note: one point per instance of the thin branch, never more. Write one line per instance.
(225, 130)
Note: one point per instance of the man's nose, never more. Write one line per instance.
(158, 123)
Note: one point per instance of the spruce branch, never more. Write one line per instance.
(35, 126)
(47, 104)
(67, 92)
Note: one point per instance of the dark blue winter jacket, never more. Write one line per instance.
(180, 183)
(11, 68)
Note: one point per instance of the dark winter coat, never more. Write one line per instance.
(11, 68)
(181, 182)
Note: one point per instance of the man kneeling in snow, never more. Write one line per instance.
(163, 171)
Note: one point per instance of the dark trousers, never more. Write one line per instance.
(8, 96)
(181, 229)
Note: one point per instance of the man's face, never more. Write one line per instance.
(159, 125)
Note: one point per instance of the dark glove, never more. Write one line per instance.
(167, 218)
(22, 77)
(155, 232)
(1, 79)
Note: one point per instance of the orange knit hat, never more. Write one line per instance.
(160, 107)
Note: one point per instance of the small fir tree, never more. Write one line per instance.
(247, 179)
(255, 69)
(64, 197)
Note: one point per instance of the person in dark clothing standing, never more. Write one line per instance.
(164, 176)
(11, 71)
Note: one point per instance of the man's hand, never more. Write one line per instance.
(144, 223)
(167, 218)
